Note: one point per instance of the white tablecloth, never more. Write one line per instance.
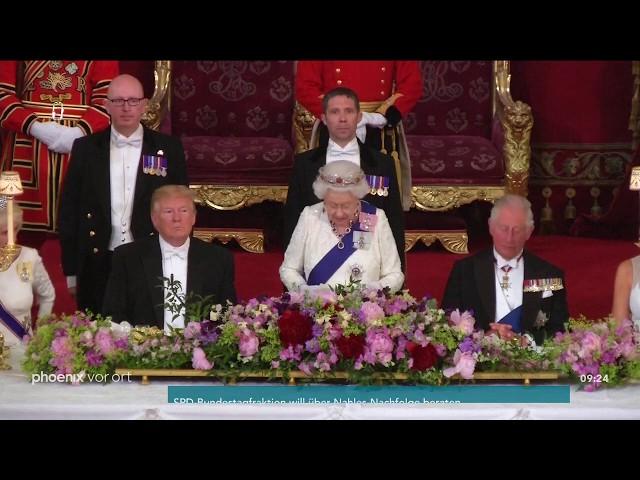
(19, 399)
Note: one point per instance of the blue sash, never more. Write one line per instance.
(11, 322)
(333, 260)
(513, 318)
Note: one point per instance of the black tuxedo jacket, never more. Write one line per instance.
(134, 291)
(85, 203)
(471, 286)
(372, 162)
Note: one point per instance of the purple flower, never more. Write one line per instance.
(94, 359)
(79, 321)
(312, 346)
(304, 367)
(104, 341)
(467, 345)
(192, 330)
(291, 353)
(379, 347)
(208, 332)
(398, 305)
(322, 362)
(249, 343)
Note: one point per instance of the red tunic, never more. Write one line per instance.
(372, 80)
(81, 86)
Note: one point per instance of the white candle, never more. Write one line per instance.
(10, 240)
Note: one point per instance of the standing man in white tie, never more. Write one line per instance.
(341, 116)
(107, 190)
(134, 291)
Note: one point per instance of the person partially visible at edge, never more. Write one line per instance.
(22, 284)
(343, 238)
(45, 105)
(107, 191)
(388, 90)
(508, 288)
(341, 116)
(134, 291)
(626, 291)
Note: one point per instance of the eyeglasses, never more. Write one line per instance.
(132, 102)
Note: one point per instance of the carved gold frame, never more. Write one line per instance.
(251, 240)
(455, 241)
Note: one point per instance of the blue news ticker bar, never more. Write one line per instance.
(367, 394)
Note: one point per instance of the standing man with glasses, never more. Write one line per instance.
(107, 190)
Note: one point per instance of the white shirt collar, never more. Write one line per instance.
(182, 250)
(501, 262)
(137, 135)
(350, 148)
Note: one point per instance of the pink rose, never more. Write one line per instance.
(371, 312)
(248, 343)
(199, 360)
(464, 322)
(465, 364)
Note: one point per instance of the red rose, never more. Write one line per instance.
(295, 328)
(423, 357)
(351, 347)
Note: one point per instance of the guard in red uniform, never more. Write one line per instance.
(44, 106)
(387, 90)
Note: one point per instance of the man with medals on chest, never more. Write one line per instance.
(509, 288)
(107, 191)
(387, 89)
(44, 106)
(342, 239)
(341, 116)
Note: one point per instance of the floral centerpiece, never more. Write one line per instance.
(597, 353)
(353, 333)
(77, 345)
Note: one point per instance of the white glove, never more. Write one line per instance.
(64, 143)
(376, 120)
(46, 132)
(314, 290)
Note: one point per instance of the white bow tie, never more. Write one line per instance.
(335, 152)
(181, 253)
(123, 142)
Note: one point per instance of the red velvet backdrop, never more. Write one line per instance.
(580, 141)
(143, 71)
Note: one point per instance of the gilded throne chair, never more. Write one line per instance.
(235, 122)
(468, 141)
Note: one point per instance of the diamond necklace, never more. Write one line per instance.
(347, 230)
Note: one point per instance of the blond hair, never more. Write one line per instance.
(170, 191)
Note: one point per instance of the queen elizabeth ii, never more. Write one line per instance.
(343, 238)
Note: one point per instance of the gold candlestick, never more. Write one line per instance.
(10, 186)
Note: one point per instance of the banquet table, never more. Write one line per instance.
(130, 399)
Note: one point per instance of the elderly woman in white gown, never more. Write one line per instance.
(25, 277)
(342, 238)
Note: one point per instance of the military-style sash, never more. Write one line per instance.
(513, 318)
(11, 322)
(333, 260)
